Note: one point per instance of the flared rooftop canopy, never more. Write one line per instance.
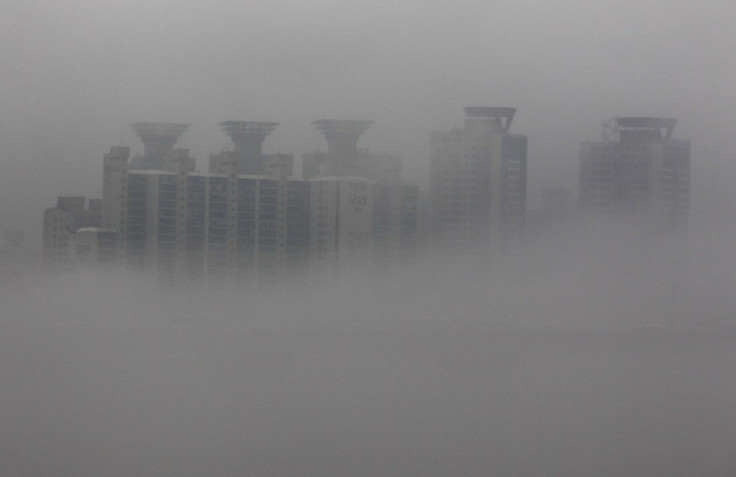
(503, 115)
(248, 136)
(159, 138)
(342, 134)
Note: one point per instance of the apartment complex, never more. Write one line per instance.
(246, 218)
(478, 182)
(638, 172)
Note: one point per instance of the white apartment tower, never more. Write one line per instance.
(478, 182)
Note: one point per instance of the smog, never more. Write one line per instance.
(589, 345)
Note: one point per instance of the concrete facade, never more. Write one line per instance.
(94, 247)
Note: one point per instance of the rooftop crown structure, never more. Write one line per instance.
(342, 134)
(159, 138)
(501, 117)
(657, 129)
(248, 157)
(248, 136)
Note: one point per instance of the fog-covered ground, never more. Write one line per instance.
(568, 359)
(191, 400)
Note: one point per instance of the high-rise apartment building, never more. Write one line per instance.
(638, 172)
(478, 181)
(395, 203)
(226, 224)
(247, 217)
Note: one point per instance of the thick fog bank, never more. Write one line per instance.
(420, 400)
(612, 356)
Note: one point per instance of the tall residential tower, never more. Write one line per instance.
(637, 172)
(395, 203)
(478, 181)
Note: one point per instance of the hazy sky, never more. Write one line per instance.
(76, 73)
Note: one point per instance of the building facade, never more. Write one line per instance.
(94, 247)
(478, 182)
(638, 172)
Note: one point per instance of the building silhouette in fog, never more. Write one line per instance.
(245, 218)
(394, 210)
(638, 171)
(478, 181)
(60, 223)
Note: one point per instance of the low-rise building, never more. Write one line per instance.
(61, 222)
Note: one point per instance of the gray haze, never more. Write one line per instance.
(76, 73)
(577, 359)
(588, 354)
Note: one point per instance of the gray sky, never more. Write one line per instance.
(77, 72)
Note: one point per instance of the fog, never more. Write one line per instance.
(580, 356)
(76, 73)
(588, 351)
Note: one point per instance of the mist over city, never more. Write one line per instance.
(367, 238)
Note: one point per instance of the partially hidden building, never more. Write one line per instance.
(246, 218)
(60, 223)
(393, 233)
(638, 173)
(478, 177)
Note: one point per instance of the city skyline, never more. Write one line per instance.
(537, 184)
(268, 172)
(80, 73)
(251, 209)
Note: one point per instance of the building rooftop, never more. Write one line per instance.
(502, 115)
(663, 126)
